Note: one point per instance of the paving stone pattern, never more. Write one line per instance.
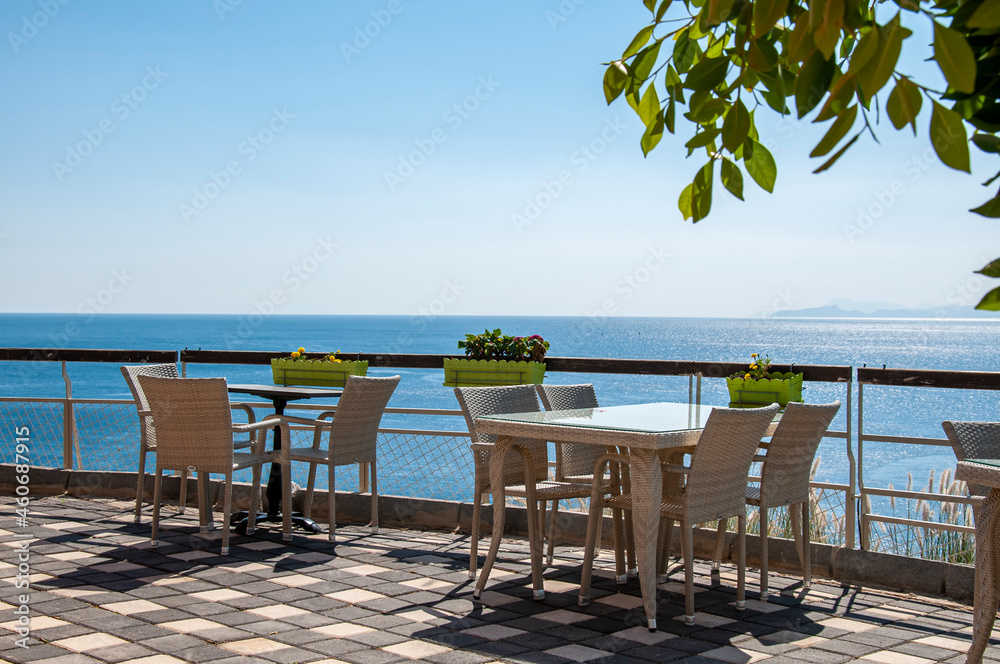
(100, 593)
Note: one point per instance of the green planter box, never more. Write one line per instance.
(481, 373)
(780, 388)
(318, 373)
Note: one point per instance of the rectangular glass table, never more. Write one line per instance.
(644, 429)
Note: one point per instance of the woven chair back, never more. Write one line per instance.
(716, 483)
(354, 437)
(131, 372)
(193, 422)
(785, 476)
(573, 460)
(974, 440)
(478, 401)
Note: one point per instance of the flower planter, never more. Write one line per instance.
(779, 388)
(481, 373)
(318, 373)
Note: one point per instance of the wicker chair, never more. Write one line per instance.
(147, 432)
(525, 475)
(974, 440)
(195, 433)
(784, 480)
(575, 463)
(715, 489)
(353, 439)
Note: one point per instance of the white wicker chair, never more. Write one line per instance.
(353, 439)
(195, 430)
(147, 431)
(715, 489)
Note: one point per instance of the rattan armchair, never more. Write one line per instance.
(194, 428)
(784, 480)
(714, 489)
(974, 440)
(525, 474)
(147, 430)
(352, 439)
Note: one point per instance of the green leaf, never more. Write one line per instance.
(763, 55)
(992, 269)
(990, 301)
(990, 209)
(701, 191)
(736, 126)
(643, 63)
(638, 42)
(954, 56)
(718, 11)
(837, 131)
(841, 94)
(760, 165)
(832, 160)
(664, 6)
(652, 135)
(614, 81)
(867, 47)
(800, 42)
(650, 4)
(874, 75)
(949, 139)
(987, 16)
(670, 116)
(904, 104)
(707, 74)
(703, 138)
(813, 82)
(685, 52)
(766, 14)
(987, 143)
(649, 105)
(827, 33)
(684, 202)
(732, 178)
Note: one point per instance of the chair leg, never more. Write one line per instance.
(227, 509)
(184, 491)
(764, 527)
(286, 500)
(254, 500)
(806, 553)
(741, 562)
(310, 487)
(374, 488)
(156, 507)
(331, 506)
(667, 528)
(632, 567)
(140, 481)
(474, 537)
(618, 521)
(720, 543)
(687, 544)
(553, 517)
(593, 528)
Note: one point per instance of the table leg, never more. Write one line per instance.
(647, 486)
(987, 577)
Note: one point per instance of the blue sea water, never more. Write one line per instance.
(918, 344)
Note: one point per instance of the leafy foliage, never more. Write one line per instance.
(496, 345)
(725, 60)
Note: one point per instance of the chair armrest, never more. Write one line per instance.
(318, 422)
(251, 416)
(482, 447)
(759, 458)
(674, 468)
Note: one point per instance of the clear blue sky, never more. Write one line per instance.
(262, 155)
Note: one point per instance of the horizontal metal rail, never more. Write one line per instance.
(923, 495)
(917, 523)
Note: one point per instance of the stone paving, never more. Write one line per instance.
(99, 593)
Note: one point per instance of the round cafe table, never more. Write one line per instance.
(279, 395)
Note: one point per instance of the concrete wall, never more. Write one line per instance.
(849, 566)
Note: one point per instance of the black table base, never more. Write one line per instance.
(240, 520)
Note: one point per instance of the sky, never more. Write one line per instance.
(393, 157)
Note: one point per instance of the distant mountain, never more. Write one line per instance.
(891, 311)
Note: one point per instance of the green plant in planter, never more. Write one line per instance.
(759, 386)
(495, 358)
(321, 370)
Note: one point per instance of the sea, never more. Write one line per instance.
(895, 343)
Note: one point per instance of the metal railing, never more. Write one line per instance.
(422, 461)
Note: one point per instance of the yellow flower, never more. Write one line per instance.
(753, 366)
(754, 355)
(296, 353)
(746, 377)
(302, 350)
(336, 360)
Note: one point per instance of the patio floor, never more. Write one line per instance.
(99, 593)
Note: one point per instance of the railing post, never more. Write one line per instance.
(850, 503)
(860, 492)
(69, 424)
